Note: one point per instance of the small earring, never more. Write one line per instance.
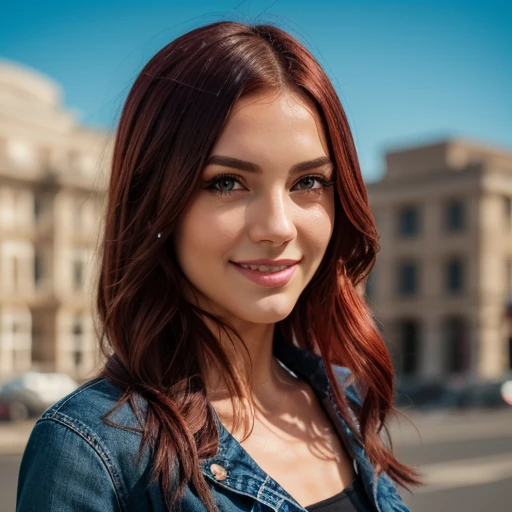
(159, 235)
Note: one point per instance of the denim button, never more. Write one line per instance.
(218, 472)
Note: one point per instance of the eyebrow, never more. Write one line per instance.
(235, 163)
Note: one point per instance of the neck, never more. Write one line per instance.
(258, 340)
(270, 386)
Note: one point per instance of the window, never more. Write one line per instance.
(456, 345)
(37, 340)
(18, 256)
(38, 268)
(37, 209)
(40, 207)
(409, 348)
(77, 342)
(454, 275)
(407, 278)
(77, 328)
(454, 216)
(78, 274)
(408, 221)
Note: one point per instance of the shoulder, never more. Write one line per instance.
(71, 443)
(82, 412)
(86, 406)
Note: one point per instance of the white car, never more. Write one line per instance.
(31, 393)
(506, 391)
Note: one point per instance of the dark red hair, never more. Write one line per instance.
(156, 343)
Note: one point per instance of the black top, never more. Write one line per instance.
(351, 499)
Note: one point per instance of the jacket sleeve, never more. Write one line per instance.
(62, 471)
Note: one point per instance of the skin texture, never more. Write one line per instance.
(270, 214)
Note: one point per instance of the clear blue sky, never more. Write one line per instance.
(406, 71)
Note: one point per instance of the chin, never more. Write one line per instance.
(267, 314)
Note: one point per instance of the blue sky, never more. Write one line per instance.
(406, 72)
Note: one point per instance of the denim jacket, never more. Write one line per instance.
(75, 462)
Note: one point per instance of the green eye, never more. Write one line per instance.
(222, 184)
(309, 180)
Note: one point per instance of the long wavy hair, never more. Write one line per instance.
(157, 344)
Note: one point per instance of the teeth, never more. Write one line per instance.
(263, 268)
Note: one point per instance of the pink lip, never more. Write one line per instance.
(268, 279)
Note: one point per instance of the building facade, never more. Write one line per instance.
(441, 289)
(52, 185)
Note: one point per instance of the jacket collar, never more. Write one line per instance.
(240, 472)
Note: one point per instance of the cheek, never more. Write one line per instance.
(319, 227)
(203, 233)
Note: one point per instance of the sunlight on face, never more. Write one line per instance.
(256, 203)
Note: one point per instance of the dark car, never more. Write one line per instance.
(438, 394)
(31, 393)
(483, 395)
(426, 394)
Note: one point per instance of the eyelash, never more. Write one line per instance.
(211, 184)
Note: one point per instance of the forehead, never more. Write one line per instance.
(288, 119)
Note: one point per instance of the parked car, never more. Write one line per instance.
(486, 394)
(438, 394)
(506, 391)
(425, 394)
(31, 393)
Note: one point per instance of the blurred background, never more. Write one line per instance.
(427, 88)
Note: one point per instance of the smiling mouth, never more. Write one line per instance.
(263, 268)
(266, 276)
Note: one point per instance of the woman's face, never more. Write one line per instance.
(265, 196)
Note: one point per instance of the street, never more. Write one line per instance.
(464, 458)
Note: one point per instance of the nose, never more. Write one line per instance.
(271, 218)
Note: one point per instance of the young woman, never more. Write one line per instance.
(243, 369)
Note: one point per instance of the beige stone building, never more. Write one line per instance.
(52, 181)
(441, 289)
